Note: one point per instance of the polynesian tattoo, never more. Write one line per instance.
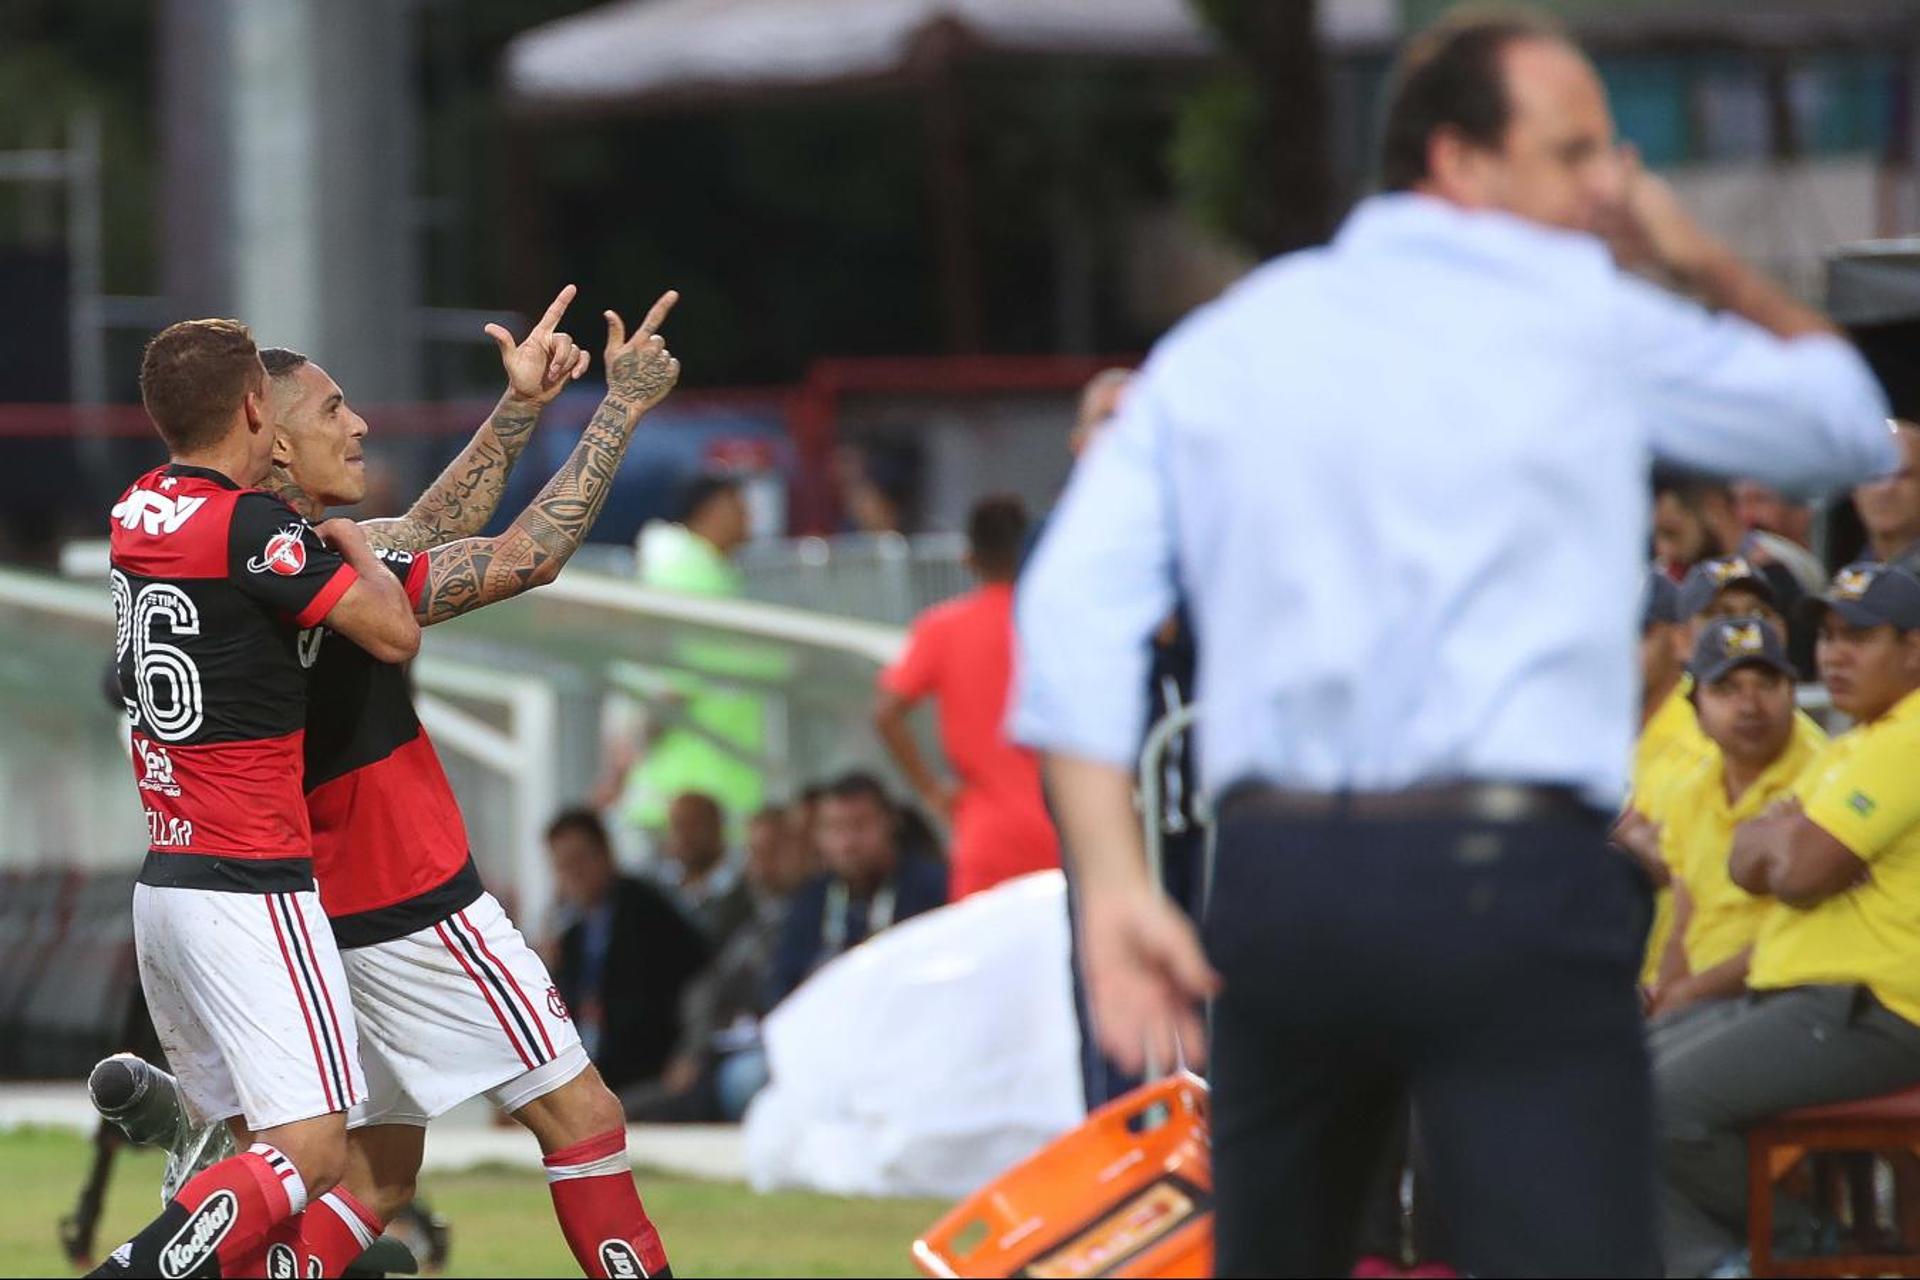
(472, 572)
(462, 500)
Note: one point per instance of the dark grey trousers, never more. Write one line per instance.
(1720, 1067)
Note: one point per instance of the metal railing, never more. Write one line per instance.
(878, 577)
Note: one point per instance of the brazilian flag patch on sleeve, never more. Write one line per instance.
(1861, 803)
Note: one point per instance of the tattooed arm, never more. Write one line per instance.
(472, 572)
(462, 500)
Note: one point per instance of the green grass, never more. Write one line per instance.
(501, 1219)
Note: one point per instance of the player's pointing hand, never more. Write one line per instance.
(640, 369)
(539, 369)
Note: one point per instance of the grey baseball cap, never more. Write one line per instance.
(1868, 593)
(1659, 600)
(1710, 577)
(1731, 643)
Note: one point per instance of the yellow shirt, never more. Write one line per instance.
(1861, 790)
(1670, 746)
(1698, 835)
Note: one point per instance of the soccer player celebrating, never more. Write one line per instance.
(212, 581)
(453, 1001)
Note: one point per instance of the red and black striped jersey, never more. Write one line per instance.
(389, 845)
(212, 584)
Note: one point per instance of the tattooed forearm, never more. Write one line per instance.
(479, 571)
(462, 500)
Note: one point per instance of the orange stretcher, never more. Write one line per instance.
(1128, 1193)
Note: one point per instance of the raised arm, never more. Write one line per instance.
(472, 572)
(1752, 384)
(463, 499)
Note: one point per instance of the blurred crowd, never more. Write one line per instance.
(670, 972)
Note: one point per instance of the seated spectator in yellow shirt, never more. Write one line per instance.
(1833, 1007)
(1669, 747)
(1743, 695)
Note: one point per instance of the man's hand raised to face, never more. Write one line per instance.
(540, 368)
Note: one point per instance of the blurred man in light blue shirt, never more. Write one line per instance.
(1402, 482)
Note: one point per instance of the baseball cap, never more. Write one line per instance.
(1869, 594)
(1730, 643)
(1710, 577)
(1659, 600)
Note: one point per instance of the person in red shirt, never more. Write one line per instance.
(960, 654)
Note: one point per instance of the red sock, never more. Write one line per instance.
(224, 1213)
(599, 1209)
(334, 1231)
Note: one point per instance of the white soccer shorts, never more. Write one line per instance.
(250, 1001)
(456, 1010)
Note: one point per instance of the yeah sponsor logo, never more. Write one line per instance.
(155, 512)
(620, 1258)
(285, 553)
(194, 1243)
(156, 769)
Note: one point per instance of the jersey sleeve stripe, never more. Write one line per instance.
(417, 579)
(321, 605)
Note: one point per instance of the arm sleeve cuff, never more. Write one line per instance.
(322, 603)
(416, 583)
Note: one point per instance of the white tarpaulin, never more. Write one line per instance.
(635, 51)
(928, 1060)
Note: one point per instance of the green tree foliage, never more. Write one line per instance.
(1250, 153)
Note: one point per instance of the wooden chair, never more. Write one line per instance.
(1887, 1124)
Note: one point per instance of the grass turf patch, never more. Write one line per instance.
(501, 1219)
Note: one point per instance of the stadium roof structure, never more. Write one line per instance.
(641, 55)
(648, 54)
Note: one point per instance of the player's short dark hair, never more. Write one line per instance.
(704, 488)
(580, 820)
(995, 529)
(1452, 76)
(280, 361)
(1690, 489)
(193, 376)
(703, 801)
(858, 784)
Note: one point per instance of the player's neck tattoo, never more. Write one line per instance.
(282, 486)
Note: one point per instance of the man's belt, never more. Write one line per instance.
(1496, 802)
